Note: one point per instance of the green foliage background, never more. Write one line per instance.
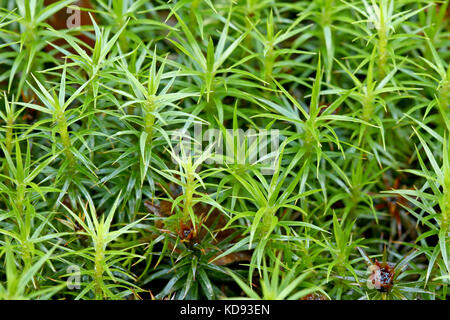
(359, 91)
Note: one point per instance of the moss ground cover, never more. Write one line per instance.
(192, 149)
